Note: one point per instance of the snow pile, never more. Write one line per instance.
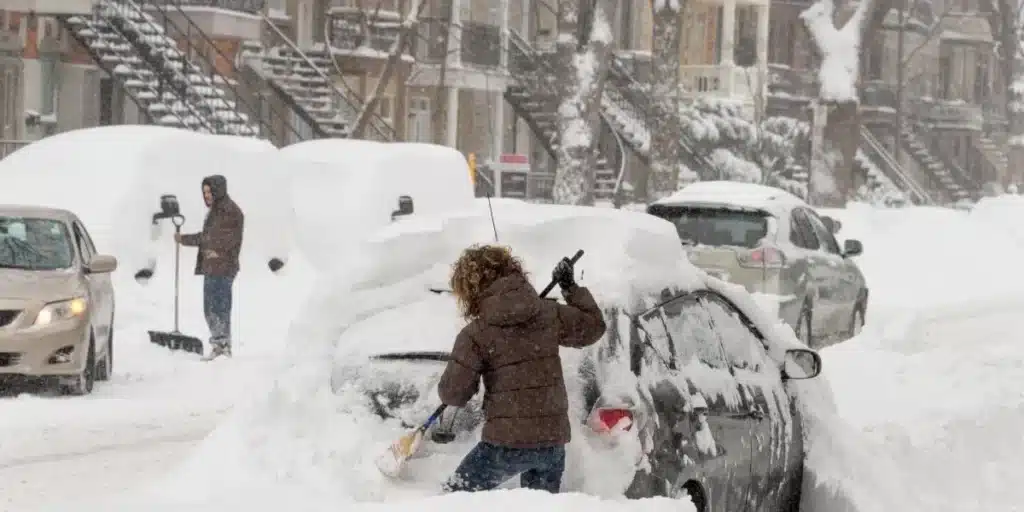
(839, 48)
(942, 341)
(120, 172)
(344, 190)
(302, 436)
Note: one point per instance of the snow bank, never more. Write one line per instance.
(304, 438)
(353, 190)
(120, 172)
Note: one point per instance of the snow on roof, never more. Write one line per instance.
(746, 195)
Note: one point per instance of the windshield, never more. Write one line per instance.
(34, 244)
(715, 226)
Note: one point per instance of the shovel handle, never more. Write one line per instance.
(433, 417)
(575, 257)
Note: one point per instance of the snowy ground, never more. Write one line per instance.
(929, 396)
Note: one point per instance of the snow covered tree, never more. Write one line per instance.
(666, 41)
(585, 59)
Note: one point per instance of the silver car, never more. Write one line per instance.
(773, 243)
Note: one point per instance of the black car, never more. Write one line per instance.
(687, 372)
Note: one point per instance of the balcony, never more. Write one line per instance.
(948, 115)
(247, 6)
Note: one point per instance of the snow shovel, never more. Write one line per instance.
(391, 462)
(176, 340)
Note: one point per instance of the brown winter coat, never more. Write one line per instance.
(222, 233)
(513, 345)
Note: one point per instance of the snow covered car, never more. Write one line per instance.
(773, 243)
(685, 395)
(56, 301)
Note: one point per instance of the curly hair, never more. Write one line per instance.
(477, 268)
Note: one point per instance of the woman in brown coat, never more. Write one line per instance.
(512, 343)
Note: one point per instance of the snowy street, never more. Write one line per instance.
(928, 417)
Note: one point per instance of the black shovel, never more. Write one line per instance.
(175, 340)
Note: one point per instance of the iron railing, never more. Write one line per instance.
(10, 146)
(247, 6)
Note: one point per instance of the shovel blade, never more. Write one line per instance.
(391, 462)
(177, 341)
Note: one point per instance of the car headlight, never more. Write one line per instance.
(61, 310)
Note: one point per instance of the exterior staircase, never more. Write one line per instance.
(534, 99)
(882, 170)
(301, 78)
(942, 175)
(167, 86)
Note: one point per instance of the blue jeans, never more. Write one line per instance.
(487, 466)
(217, 308)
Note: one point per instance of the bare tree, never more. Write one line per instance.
(667, 38)
(405, 34)
(580, 99)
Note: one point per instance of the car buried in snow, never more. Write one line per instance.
(685, 396)
(774, 244)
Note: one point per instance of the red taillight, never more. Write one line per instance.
(763, 257)
(608, 419)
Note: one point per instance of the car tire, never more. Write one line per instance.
(695, 492)
(857, 320)
(83, 382)
(106, 368)
(803, 325)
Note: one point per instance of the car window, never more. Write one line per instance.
(88, 239)
(685, 330)
(803, 234)
(715, 226)
(658, 345)
(83, 247)
(34, 244)
(828, 240)
(743, 348)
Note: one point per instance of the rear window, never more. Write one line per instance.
(715, 226)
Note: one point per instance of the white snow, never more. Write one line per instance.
(839, 48)
(736, 194)
(918, 413)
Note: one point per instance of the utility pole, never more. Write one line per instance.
(898, 146)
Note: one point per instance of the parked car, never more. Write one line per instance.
(772, 242)
(56, 300)
(684, 395)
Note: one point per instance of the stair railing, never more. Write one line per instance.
(348, 97)
(893, 170)
(266, 114)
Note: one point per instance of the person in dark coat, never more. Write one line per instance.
(512, 342)
(219, 243)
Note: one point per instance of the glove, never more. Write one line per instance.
(563, 274)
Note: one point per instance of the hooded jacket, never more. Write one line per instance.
(513, 346)
(221, 234)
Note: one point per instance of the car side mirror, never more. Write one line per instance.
(405, 207)
(801, 363)
(101, 264)
(852, 248)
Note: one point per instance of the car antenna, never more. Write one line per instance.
(490, 208)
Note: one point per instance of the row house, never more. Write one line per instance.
(930, 116)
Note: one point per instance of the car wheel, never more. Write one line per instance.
(106, 369)
(82, 383)
(695, 492)
(803, 326)
(857, 321)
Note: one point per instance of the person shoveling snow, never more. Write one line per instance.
(219, 243)
(512, 342)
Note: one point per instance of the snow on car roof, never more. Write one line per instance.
(746, 195)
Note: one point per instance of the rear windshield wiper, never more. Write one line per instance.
(414, 356)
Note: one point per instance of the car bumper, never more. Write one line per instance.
(59, 349)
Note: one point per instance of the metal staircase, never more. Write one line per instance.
(143, 55)
(878, 160)
(534, 98)
(950, 181)
(300, 77)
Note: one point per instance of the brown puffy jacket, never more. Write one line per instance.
(513, 345)
(222, 233)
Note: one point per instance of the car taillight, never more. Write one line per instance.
(763, 257)
(606, 419)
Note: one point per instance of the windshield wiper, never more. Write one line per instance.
(16, 267)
